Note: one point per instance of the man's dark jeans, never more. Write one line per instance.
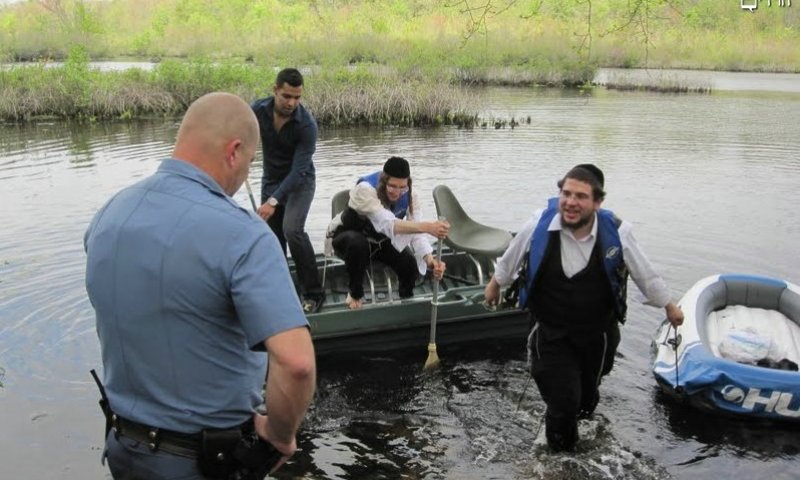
(288, 222)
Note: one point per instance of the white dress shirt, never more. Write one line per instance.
(364, 200)
(575, 256)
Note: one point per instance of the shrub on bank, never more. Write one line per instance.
(339, 96)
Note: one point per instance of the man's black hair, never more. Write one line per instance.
(292, 76)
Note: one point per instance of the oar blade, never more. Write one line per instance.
(433, 358)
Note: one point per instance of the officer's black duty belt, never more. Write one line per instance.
(176, 443)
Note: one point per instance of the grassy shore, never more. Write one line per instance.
(345, 96)
(354, 95)
(408, 65)
(656, 81)
(364, 94)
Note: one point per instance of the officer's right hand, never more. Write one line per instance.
(261, 424)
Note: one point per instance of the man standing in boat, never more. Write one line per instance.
(288, 182)
(381, 223)
(576, 257)
(192, 296)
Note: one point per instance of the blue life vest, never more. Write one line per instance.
(610, 247)
(400, 207)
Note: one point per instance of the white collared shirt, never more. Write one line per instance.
(364, 200)
(575, 255)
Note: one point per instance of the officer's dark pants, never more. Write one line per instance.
(356, 250)
(567, 367)
(132, 460)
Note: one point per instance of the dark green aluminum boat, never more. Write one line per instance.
(387, 323)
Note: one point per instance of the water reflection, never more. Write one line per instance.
(761, 441)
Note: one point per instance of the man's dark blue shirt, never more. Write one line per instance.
(287, 153)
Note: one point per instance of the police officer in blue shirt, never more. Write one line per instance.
(190, 290)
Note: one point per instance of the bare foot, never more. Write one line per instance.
(354, 303)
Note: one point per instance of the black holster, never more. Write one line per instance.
(236, 454)
(104, 405)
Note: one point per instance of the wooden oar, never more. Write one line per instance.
(250, 193)
(433, 358)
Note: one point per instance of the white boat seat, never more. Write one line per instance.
(465, 233)
(339, 202)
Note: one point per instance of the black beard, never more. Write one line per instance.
(574, 226)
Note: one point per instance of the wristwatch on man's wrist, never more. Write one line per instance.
(272, 202)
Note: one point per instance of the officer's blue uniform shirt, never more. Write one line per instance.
(186, 286)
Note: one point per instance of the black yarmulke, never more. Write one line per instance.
(397, 167)
(598, 174)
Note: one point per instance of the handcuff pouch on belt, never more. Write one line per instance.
(215, 458)
(235, 454)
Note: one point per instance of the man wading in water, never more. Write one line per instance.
(578, 257)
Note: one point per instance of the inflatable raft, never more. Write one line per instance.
(738, 349)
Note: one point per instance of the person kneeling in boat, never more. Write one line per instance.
(578, 260)
(381, 223)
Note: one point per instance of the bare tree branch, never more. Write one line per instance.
(637, 18)
(478, 11)
(586, 38)
(57, 8)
